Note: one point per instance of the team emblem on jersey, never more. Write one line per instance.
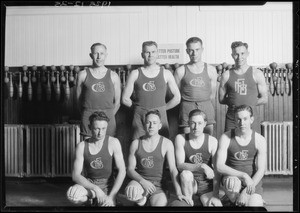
(147, 162)
(241, 87)
(149, 86)
(197, 158)
(97, 163)
(99, 87)
(197, 82)
(243, 155)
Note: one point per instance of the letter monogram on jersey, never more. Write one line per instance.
(97, 163)
(147, 162)
(243, 155)
(99, 87)
(241, 87)
(198, 82)
(197, 158)
(149, 86)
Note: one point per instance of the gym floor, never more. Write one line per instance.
(20, 193)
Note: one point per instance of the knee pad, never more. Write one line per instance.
(186, 176)
(232, 184)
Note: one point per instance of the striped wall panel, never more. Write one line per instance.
(63, 36)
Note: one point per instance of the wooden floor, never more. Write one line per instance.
(36, 193)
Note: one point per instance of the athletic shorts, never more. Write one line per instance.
(103, 184)
(138, 122)
(84, 127)
(187, 106)
(230, 122)
(204, 186)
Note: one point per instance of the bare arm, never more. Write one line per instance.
(79, 82)
(173, 88)
(77, 169)
(117, 88)
(128, 90)
(169, 149)
(261, 86)
(120, 165)
(213, 75)
(180, 156)
(132, 163)
(222, 88)
(178, 75)
(213, 143)
(261, 146)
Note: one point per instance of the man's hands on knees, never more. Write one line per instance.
(148, 186)
(209, 172)
(250, 187)
(109, 201)
(214, 201)
(100, 195)
(186, 199)
(243, 198)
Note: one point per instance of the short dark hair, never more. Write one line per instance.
(195, 112)
(149, 43)
(193, 40)
(154, 112)
(244, 107)
(236, 44)
(98, 116)
(97, 44)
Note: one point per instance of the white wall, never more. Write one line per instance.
(63, 35)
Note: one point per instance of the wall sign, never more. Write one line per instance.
(170, 53)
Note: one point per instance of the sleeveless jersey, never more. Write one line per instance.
(150, 165)
(242, 89)
(100, 165)
(242, 158)
(196, 87)
(201, 155)
(98, 93)
(150, 92)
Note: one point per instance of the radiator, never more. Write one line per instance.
(64, 140)
(50, 149)
(279, 137)
(38, 150)
(13, 147)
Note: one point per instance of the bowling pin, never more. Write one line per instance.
(20, 88)
(29, 86)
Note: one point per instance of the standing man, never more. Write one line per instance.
(95, 157)
(197, 83)
(243, 84)
(149, 83)
(241, 159)
(98, 88)
(195, 157)
(146, 160)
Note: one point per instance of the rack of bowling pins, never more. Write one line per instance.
(41, 83)
(55, 82)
